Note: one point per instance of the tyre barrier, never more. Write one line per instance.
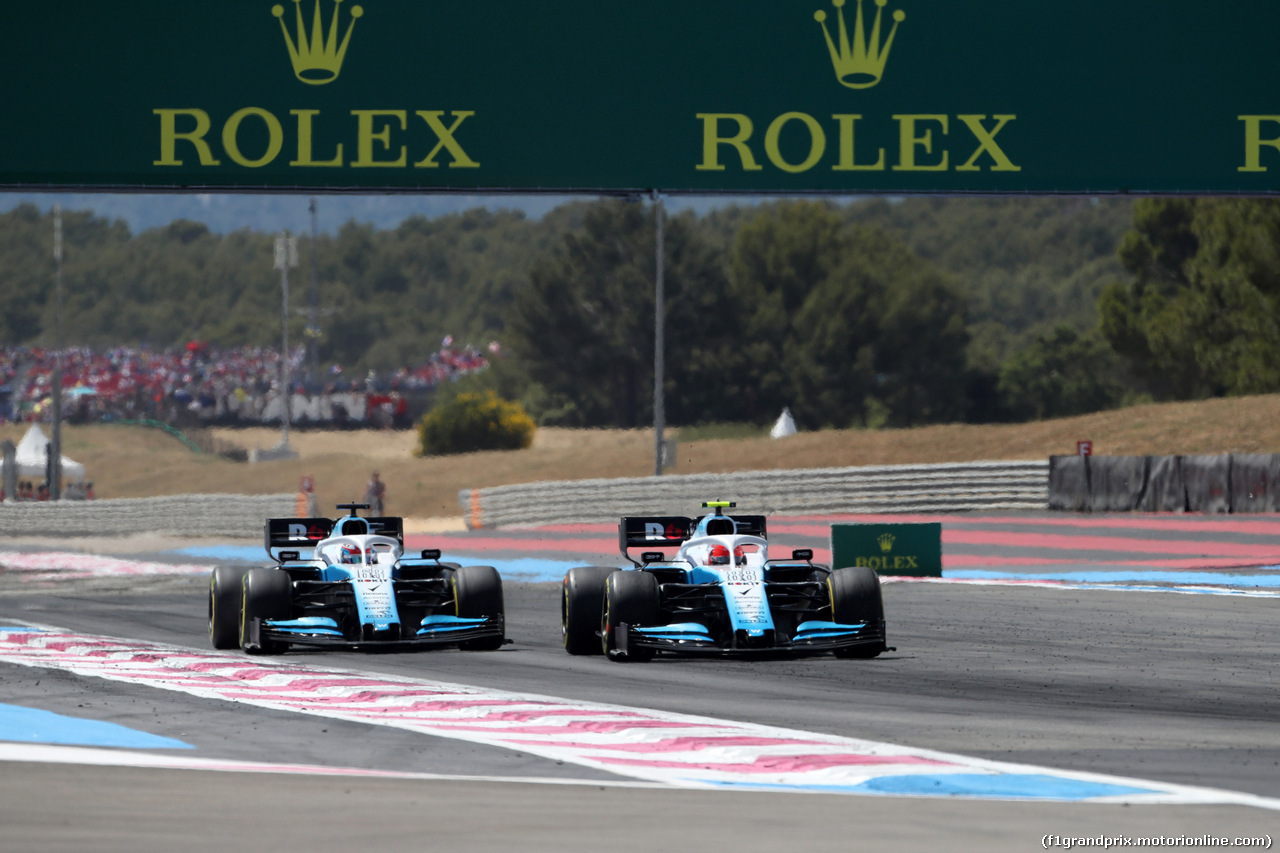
(1211, 484)
(949, 487)
(239, 516)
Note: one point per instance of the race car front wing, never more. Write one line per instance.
(813, 637)
(435, 630)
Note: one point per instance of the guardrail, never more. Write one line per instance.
(239, 516)
(951, 487)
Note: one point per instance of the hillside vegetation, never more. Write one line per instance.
(870, 313)
(137, 462)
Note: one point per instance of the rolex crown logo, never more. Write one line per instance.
(886, 541)
(317, 60)
(859, 63)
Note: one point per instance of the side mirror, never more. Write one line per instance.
(288, 556)
(805, 554)
(431, 554)
(652, 557)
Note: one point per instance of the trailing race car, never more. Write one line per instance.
(719, 594)
(348, 583)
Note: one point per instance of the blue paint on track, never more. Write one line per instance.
(230, 553)
(1004, 786)
(30, 725)
(531, 569)
(536, 569)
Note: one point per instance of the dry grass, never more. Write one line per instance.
(136, 462)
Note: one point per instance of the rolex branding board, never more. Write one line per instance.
(844, 96)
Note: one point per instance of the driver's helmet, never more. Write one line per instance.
(372, 554)
(719, 556)
(739, 556)
(349, 555)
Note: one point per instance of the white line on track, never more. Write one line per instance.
(47, 754)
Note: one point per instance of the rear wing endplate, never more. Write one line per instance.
(391, 525)
(658, 531)
(294, 534)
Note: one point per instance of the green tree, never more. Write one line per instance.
(881, 340)
(1060, 374)
(583, 326)
(1200, 315)
(778, 258)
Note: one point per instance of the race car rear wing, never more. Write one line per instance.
(295, 534)
(671, 531)
(750, 525)
(391, 525)
(657, 531)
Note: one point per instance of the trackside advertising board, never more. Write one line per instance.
(1088, 96)
(850, 96)
(912, 550)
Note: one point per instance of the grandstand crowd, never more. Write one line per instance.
(205, 384)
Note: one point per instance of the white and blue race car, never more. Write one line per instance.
(348, 582)
(720, 593)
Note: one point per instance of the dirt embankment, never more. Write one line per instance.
(137, 462)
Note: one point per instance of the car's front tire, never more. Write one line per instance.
(630, 597)
(855, 597)
(225, 590)
(268, 594)
(581, 607)
(477, 593)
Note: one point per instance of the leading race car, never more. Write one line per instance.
(348, 582)
(720, 594)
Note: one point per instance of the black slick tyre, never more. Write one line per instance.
(581, 608)
(224, 606)
(631, 598)
(855, 597)
(267, 594)
(477, 593)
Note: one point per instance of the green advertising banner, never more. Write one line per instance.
(913, 550)
(844, 96)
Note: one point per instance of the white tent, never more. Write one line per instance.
(784, 426)
(31, 457)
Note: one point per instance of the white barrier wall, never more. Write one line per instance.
(957, 487)
(239, 516)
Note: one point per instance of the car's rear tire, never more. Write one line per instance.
(225, 590)
(630, 597)
(477, 592)
(267, 594)
(581, 608)
(855, 597)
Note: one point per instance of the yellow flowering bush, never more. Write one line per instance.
(474, 421)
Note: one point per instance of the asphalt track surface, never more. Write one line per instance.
(1151, 685)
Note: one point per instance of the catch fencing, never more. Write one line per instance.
(239, 516)
(952, 487)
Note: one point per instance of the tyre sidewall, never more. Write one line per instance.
(477, 593)
(268, 594)
(582, 607)
(630, 597)
(855, 595)
(225, 592)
